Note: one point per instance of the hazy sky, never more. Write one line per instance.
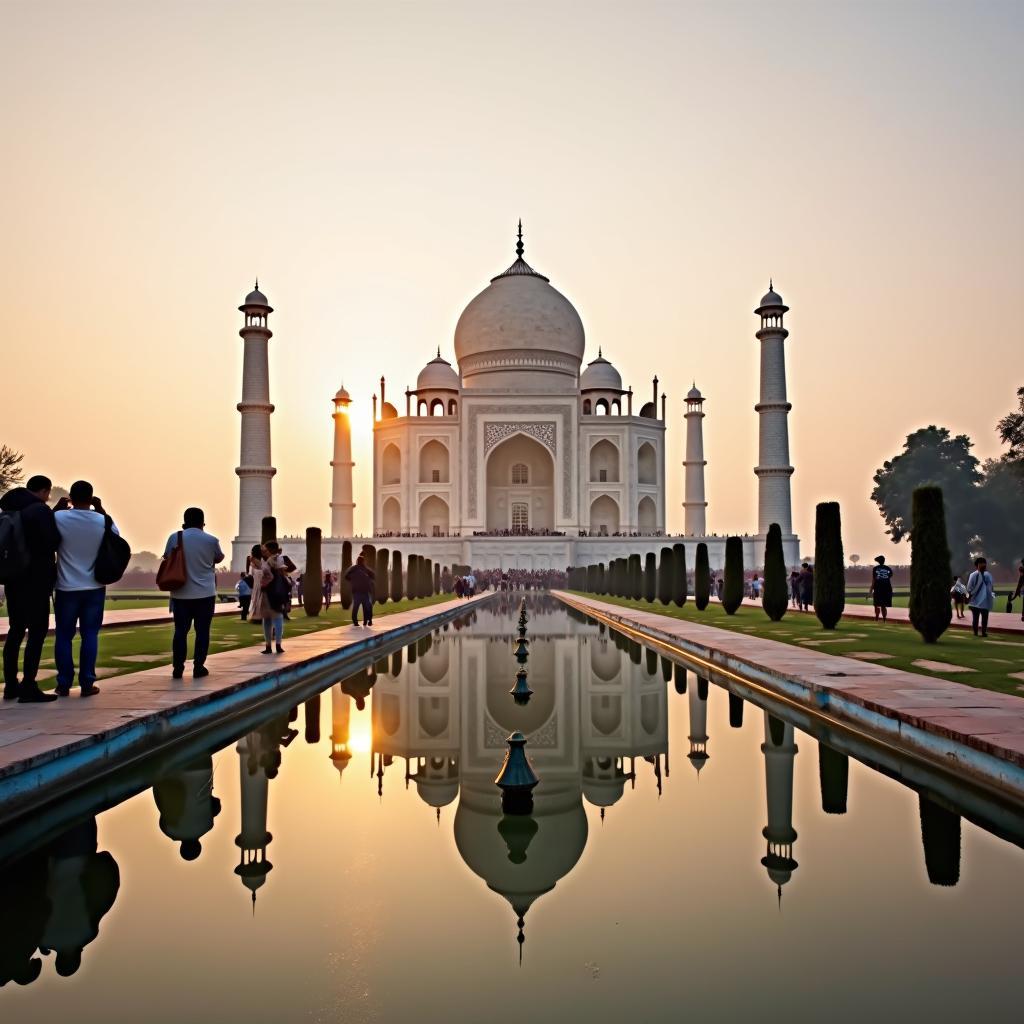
(369, 162)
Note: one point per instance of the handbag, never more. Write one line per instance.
(172, 574)
(113, 555)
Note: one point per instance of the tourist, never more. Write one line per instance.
(78, 603)
(275, 594)
(755, 587)
(1019, 591)
(981, 595)
(720, 587)
(194, 602)
(794, 588)
(958, 595)
(806, 582)
(28, 595)
(328, 588)
(300, 582)
(243, 588)
(881, 587)
(470, 585)
(361, 580)
(460, 587)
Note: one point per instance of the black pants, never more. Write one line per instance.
(981, 613)
(28, 611)
(244, 600)
(196, 611)
(364, 601)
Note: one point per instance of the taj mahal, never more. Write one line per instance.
(519, 456)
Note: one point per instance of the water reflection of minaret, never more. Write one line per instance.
(698, 700)
(341, 710)
(254, 838)
(779, 750)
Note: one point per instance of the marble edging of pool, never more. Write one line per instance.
(976, 732)
(51, 748)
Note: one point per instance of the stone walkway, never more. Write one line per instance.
(134, 616)
(51, 748)
(976, 733)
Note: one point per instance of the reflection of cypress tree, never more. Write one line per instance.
(635, 652)
(344, 587)
(312, 709)
(680, 674)
(702, 688)
(732, 592)
(940, 833)
(652, 661)
(621, 642)
(411, 653)
(775, 599)
(679, 580)
(650, 577)
(776, 730)
(666, 669)
(423, 645)
(702, 578)
(381, 666)
(665, 576)
(735, 711)
(834, 774)
(396, 662)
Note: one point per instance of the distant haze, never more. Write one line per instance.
(369, 162)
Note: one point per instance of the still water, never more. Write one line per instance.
(348, 860)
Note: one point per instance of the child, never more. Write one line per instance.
(958, 593)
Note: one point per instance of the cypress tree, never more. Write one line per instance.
(437, 577)
(829, 565)
(665, 575)
(930, 570)
(397, 582)
(602, 583)
(313, 597)
(775, 595)
(702, 578)
(383, 578)
(428, 577)
(679, 581)
(732, 593)
(268, 529)
(591, 584)
(636, 578)
(344, 587)
(650, 577)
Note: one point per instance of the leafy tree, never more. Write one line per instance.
(11, 472)
(732, 592)
(931, 456)
(930, 572)
(679, 580)
(665, 568)
(650, 576)
(702, 578)
(344, 586)
(313, 596)
(775, 592)
(397, 580)
(829, 565)
(383, 579)
(1011, 430)
(999, 518)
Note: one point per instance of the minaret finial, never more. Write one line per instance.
(519, 245)
(599, 355)
(438, 351)
(771, 285)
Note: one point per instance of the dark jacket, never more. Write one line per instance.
(361, 579)
(41, 534)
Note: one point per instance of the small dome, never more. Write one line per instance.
(342, 397)
(771, 300)
(388, 412)
(438, 375)
(694, 395)
(256, 298)
(600, 375)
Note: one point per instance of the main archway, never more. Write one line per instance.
(520, 486)
(434, 517)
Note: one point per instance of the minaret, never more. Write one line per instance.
(254, 838)
(773, 468)
(695, 505)
(341, 492)
(779, 750)
(698, 737)
(255, 472)
(341, 710)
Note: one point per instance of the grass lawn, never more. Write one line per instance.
(992, 661)
(133, 648)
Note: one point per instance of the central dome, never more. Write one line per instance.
(519, 331)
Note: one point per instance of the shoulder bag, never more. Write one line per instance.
(172, 574)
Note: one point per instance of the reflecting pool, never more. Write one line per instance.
(688, 852)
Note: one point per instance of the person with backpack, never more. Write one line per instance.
(362, 579)
(31, 547)
(981, 595)
(194, 601)
(881, 587)
(958, 595)
(78, 603)
(275, 593)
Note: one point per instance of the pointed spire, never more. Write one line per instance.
(519, 244)
(439, 817)
(520, 938)
(254, 904)
(438, 351)
(257, 282)
(771, 285)
(602, 815)
(599, 353)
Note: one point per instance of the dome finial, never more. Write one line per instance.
(771, 285)
(438, 351)
(599, 353)
(519, 245)
(257, 282)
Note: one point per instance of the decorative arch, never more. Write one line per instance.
(647, 515)
(434, 714)
(604, 463)
(391, 465)
(647, 464)
(606, 713)
(528, 506)
(434, 463)
(604, 516)
(434, 519)
(605, 661)
(391, 515)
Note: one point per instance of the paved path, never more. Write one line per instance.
(976, 732)
(47, 749)
(998, 622)
(134, 616)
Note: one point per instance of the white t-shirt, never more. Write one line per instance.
(202, 553)
(81, 531)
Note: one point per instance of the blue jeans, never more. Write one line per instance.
(364, 602)
(81, 611)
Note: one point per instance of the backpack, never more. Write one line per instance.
(14, 553)
(113, 556)
(279, 592)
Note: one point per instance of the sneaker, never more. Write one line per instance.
(200, 672)
(33, 695)
(90, 691)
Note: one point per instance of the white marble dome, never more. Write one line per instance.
(600, 375)
(438, 375)
(519, 331)
(771, 300)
